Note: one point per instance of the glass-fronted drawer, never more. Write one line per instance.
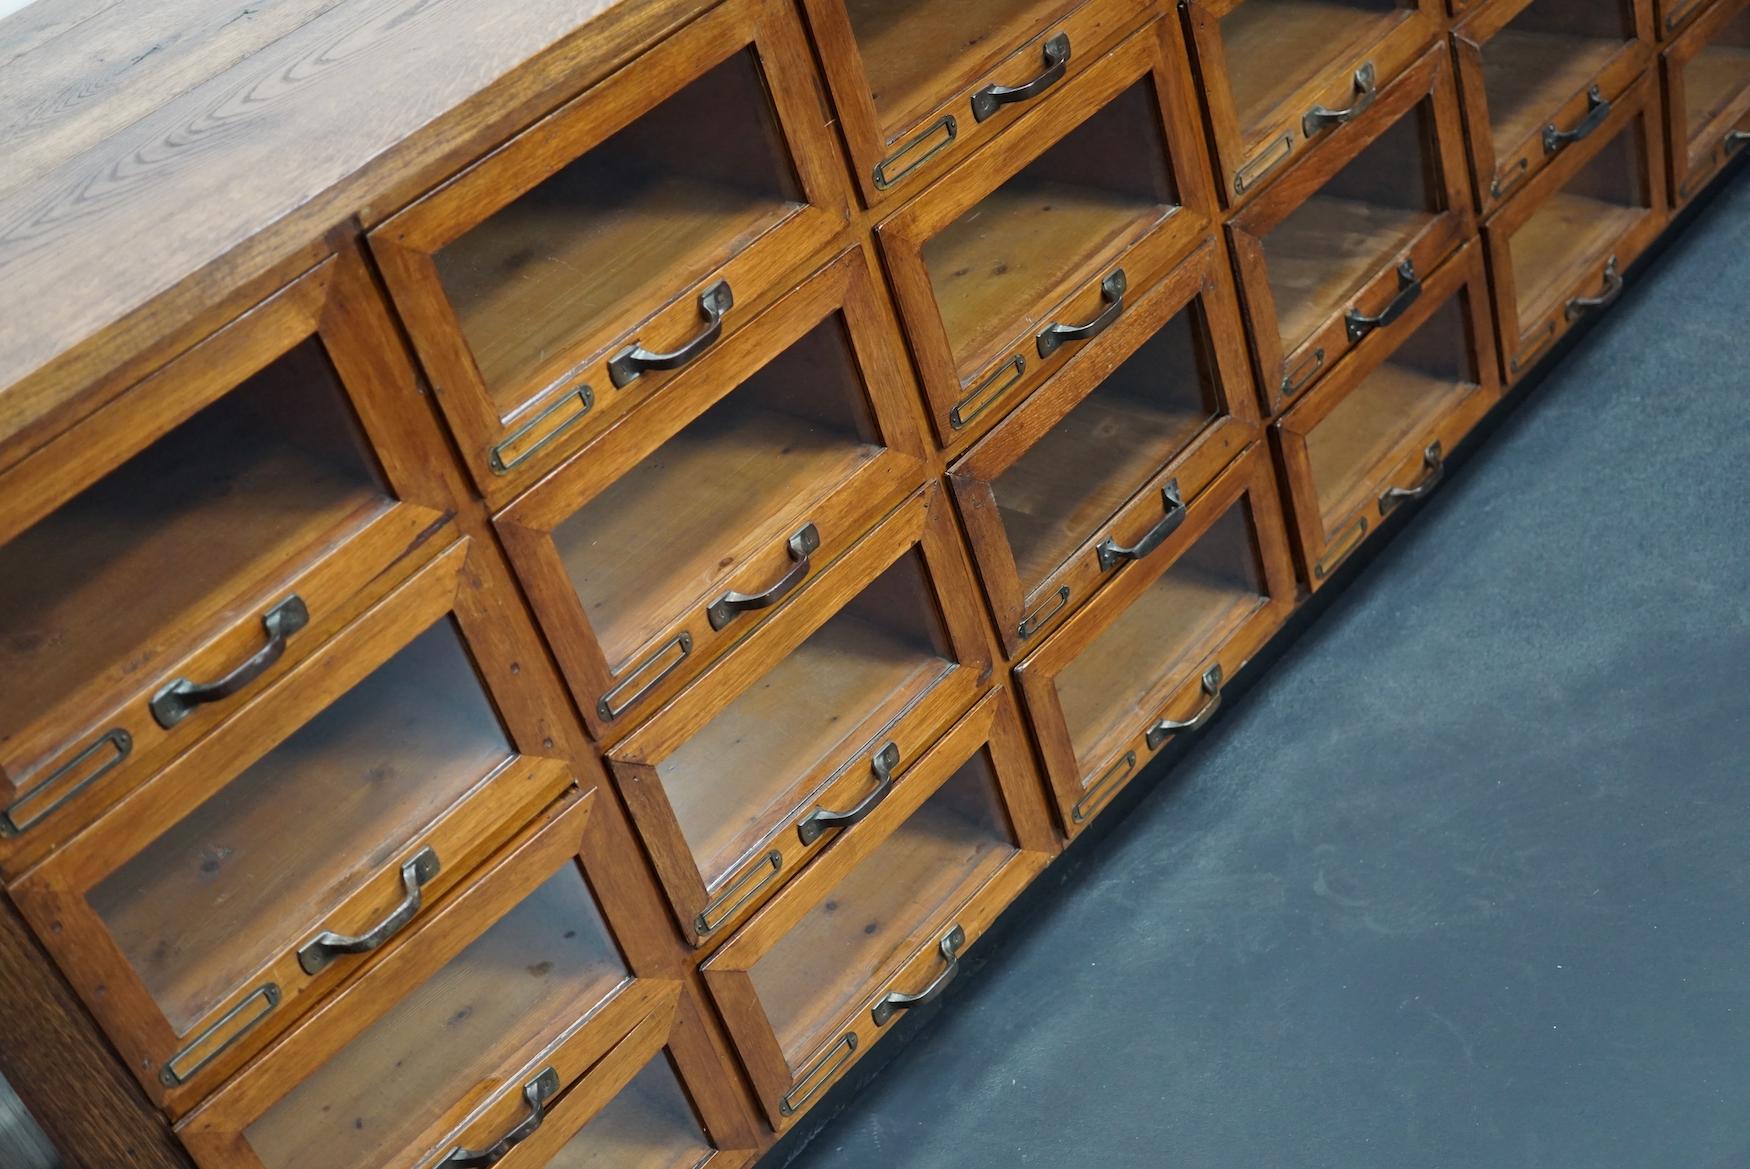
(1707, 96)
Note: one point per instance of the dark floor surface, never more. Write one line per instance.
(1464, 881)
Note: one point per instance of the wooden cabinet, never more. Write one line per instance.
(1539, 76)
(658, 546)
(1558, 250)
(1007, 266)
(879, 924)
(919, 86)
(559, 284)
(1147, 658)
(1096, 469)
(1707, 96)
(1339, 245)
(1280, 75)
(166, 559)
(778, 754)
(1377, 432)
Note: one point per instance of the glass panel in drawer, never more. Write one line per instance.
(653, 208)
(548, 961)
(1274, 47)
(1344, 234)
(646, 548)
(215, 897)
(1717, 76)
(1546, 54)
(858, 934)
(738, 775)
(1088, 466)
(1208, 591)
(1099, 189)
(650, 1124)
(252, 489)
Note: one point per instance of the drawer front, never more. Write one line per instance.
(1017, 258)
(917, 89)
(1092, 472)
(1537, 77)
(1146, 659)
(205, 912)
(1707, 97)
(1340, 246)
(1558, 250)
(167, 558)
(653, 550)
(522, 979)
(779, 751)
(1375, 434)
(879, 923)
(1280, 75)
(687, 190)
(1671, 16)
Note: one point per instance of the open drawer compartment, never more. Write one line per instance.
(1094, 470)
(1539, 76)
(651, 551)
(1558, 251)
(496, 1007)
(1707, 96)
(918, 86)
(558, 283)
(1340, 246)
(1146, 659)
(777, 754)
(1375, 433)
(1280, 75)
(878, 924)
(208, 910)
(1011, 263)
(165, 559)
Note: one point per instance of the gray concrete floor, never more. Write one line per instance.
(1464, 881)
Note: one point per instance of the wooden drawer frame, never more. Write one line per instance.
(1023, 615)
(707, 915)
(1693, 166)
(571, 398)
(1286, 373)
(1185, 695)
(1671, 16)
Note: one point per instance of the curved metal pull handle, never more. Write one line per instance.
(1409, 291)
(992, 98)
(1054, 336)
(817, 822)
(1111, 554)
(1323, 117)
(730, 605)
(1597, 109)
(537, 1092)
(1736, 140)
(1167, 728)
(629, 363)
(949, 948)
(315, 954)
(1435, 464)
(1581, 305)
(177, 700)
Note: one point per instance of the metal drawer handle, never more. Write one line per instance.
(1054, 336)
(990, 99)
(730, 605)
(537, 1092)
(1736, 140)
(882, 763)
(1167, 728)
(1323, 117)
(1581, 305)
(1111, 554)
(1409, 291)
(1435, 470)
(315, 954)
(177, 701)
(949, 948)
(630, 363)
(1597, 109)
